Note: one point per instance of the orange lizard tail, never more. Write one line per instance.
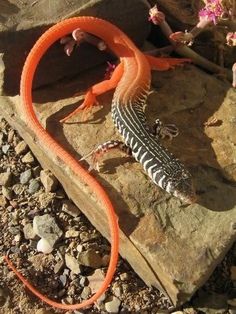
(98, 27)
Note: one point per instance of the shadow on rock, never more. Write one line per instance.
(214, 192)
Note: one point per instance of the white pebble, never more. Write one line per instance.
(44, 247)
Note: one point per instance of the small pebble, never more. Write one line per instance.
(95, 280)
(3, 201)
(5, 148)
(21, 148)
(5, 178)
(124, 276)
(69, 208)
(15, 220)
(17, 237)
(73, 264)
(84, 236)
(48, 180)
(117, 289)
(90, 258)
(18, 189)
(29, 231)
(79, 248)
(7, 193)
(66, 272)
(14, 204)
(63, 279)
(85, 293)
(34, 186)
(113, 305)
(72, 233)
(45, 199)
(28, 158)
(25, 176)
(69, 300)
(46, 227)
(44, 247)
(83, 281)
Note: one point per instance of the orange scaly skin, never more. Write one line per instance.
(130, 77)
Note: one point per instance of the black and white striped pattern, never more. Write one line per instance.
(161, 166)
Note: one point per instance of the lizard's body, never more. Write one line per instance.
(132, 78)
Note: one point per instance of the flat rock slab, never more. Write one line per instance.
(171, 246)
(22, 23)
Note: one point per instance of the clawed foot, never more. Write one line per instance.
(89, 101)
(78, 37)
(165, 130)
(94, 164)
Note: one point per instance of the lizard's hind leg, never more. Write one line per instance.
(96, 90)
(164, 64)
(98, 152)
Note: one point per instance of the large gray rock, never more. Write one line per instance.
(22, 22)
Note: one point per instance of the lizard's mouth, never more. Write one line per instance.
(185, 191)
(187, 198)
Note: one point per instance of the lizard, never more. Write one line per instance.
(131, 78)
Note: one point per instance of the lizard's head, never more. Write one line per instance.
(182, 187)
(179, 184)
(185, 191)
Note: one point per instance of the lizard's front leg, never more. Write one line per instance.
(162, 131)
(96, 90)
(163, 64)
